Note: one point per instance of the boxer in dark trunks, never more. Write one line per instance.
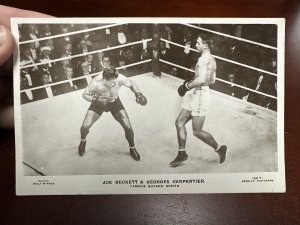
(102, 92)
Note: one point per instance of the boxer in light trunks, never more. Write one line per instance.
(102, 92)
(196, 101)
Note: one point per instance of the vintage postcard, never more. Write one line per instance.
(149, 105)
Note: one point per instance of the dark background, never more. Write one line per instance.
(167, 209)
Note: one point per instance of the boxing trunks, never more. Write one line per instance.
(197, 101)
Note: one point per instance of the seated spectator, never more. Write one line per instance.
(33, 51)
(145, 54)
(59, 68)
(27, 95)
(67, 50)
(61, 42)
(122, 62)
(46, 54)
(273, 68)
(82, 48)
(45, 30)
(128, 55)
(66, 86)
(90, 59)
(45, 69)
(27, 59)
(121, 37)
(164, 53)
(102, 62)
(45, 91)
(85, 71)
(26, 79)
(230, 89)
(88, 36)
(32, 34)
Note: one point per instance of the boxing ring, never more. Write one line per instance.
(248, 131)
(51, 133)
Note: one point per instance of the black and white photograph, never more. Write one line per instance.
(149, 105)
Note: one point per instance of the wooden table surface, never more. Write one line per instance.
(167, 209)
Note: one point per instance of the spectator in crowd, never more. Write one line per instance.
(46, 90)
(145, 54)
(164, 54)
(26, 56)
(26, 95)
(88, 36)
(32, 34)
(122, 62)
(121, 37)
(33, 51)
(61, 42)
(45, 69)
(128, 55)
(230, 89)
(66, 86)
(26, 79)
(89, 59)
(67, 49)
(45, 30)
(103, 61)
(82, 47)
(46, 54)
(59, 68)
(85, 71)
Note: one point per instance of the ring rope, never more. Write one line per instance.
(221, 58)
(227, 35)
(84, 54)
(224, 81)
(71, 33)
(78, 78)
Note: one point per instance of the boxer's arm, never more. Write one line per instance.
(202, 70)
(89, 92)
(128, 83)
(213, 79)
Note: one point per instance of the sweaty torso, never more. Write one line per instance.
(100, 88)
(210, 71)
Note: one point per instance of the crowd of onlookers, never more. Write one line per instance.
(72, 57)
(63, 50)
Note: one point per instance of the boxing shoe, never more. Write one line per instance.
(222, 153)
(81, 148)
(181, 157)
(134, 154)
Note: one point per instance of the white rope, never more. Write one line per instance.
(221, 58)
(84, 76)
(224, 81)
(84, 54)
(71, 33)
(233, 37)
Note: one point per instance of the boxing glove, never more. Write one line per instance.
(140, 99)
(99, 101)
(183, 88)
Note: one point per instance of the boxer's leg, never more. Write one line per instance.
(90, 118)
(206, 137)
(183, 118)
(122, 117)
